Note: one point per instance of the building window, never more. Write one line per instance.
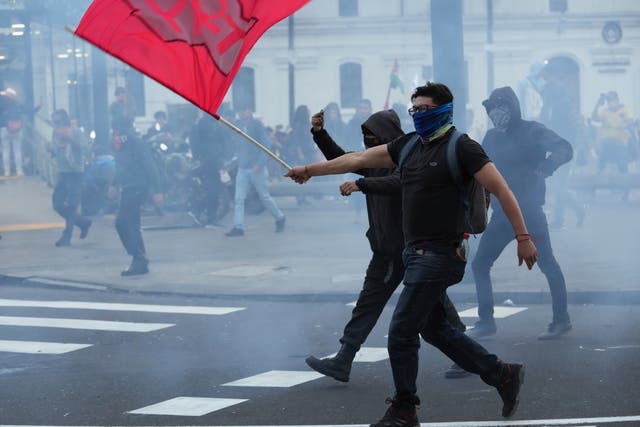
(350, 84)
(244, 89)
(348, 7)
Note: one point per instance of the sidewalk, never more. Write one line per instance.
(322, 254)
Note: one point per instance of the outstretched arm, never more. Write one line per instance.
(489, 177)
(376, 157)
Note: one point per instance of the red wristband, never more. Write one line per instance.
(306, 171)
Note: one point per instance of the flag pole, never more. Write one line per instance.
(253, 141)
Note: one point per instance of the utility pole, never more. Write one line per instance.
(490, 63)
(292, 70)
(448, 53)
(100, 101)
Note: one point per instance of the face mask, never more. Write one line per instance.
(428, 122)
(500, 117)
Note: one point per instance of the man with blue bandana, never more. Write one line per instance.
(433, 215)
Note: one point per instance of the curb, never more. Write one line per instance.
(614, 297)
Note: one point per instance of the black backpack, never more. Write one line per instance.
(472, 194)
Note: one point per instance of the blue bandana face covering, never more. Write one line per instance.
(428, 122)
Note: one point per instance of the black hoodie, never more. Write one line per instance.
(526, 153)
(384, 211)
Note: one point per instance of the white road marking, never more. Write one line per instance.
(245, 271)
(369, 354)
(187, 406)
(151, 308)
(97, 325)
(503, 423)
(276, 379)
(35, 347)
(499, 312)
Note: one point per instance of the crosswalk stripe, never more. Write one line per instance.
(179, 309)
(369, 354)
(98, 325)
(499, 312)
(35, 347)
(187, 406)
(276, 379)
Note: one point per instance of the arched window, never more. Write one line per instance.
(350, 84)
(244, 89)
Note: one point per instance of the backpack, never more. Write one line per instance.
(472, 195)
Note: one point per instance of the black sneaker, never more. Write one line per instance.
(63, 241)
(509, 388)
(555, 330)
(330, 367)
(235, 232)
(138, 266)
(84, 229)
(280, 225)
(482, 329)
(455, 371)
(399, 414)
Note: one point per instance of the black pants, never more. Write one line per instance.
(496, 237)
(128, 220)
(421, 311)
(383, 276)
(66, 200)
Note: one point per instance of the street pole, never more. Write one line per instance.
(448, 53)
(292, 93)
(100, 102)
(490, 63)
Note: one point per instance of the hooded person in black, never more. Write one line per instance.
(138, 178)
(526, 153)
(382, 189)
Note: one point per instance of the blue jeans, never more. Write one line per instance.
(259, 179)
(421, 311)
(496, 237)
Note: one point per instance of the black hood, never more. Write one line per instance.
(504, 96)
(385, 125)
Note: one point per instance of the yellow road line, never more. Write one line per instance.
(29, 227)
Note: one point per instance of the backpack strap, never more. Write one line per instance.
(407, 149)
(452, 159)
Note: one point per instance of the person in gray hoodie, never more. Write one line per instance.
(69, 148)
(526, 153)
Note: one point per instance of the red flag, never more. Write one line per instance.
(193, 47)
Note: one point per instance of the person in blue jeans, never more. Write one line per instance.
(526, 153)
(433, 216)
(252, 170)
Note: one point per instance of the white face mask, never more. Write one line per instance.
(500, 117)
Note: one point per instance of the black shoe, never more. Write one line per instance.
(330, 367)
(280, 225)
(84, 229)
(456, 371)
(509, 388)
(63, 241)
(482, 329)
(138, 266)
(235, 232)
(555, 330)
(399, 414)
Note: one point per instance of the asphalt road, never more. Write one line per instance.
(243, 364)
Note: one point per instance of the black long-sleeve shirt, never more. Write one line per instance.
(384, 200)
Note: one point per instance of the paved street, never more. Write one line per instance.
(218, 332)
(166, 360)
